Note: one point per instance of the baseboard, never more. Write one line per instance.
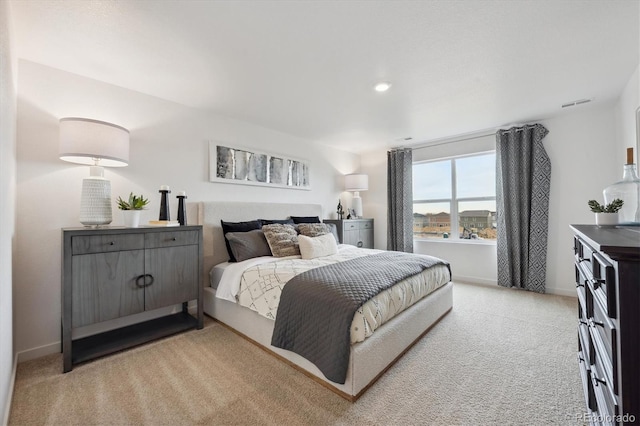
(34, 353)
(562, 292)
(474, 280)
(12, 383)
(491, 283)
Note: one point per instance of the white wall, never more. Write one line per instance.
(7, 205)
(582, 146)
(169, 146)
(626, 107)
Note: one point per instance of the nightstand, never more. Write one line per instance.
(357, 232)
(110, 273)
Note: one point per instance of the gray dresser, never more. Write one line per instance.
(110, 273)
(357, 232)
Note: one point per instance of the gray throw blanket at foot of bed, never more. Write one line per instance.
(317, 306)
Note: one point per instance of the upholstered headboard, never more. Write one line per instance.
(208, 214)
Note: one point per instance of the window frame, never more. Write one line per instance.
(454, 201)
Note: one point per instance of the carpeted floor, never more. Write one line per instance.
(499, 357)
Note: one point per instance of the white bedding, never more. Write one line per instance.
(257, 283)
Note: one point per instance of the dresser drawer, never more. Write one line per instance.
(603, 391)
(585, 345)
(581, 289)
(587, 383)
(88, 244)
(582, 251)
(604, 337)
(351, 225)
(170, 239)
(604, 282)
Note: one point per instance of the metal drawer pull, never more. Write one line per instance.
(144, 278)
(598, 323)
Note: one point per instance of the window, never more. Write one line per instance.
(456, 194)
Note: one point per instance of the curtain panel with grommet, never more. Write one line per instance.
(523, 181)
(400, 200)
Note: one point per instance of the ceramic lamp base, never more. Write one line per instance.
(95, 201)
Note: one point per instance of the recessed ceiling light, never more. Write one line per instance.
(383, 86)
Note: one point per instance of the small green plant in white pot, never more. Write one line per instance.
(606, 214)
(131, 209)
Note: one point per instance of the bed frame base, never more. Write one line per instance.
(369, 360)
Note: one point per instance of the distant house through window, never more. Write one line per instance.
(455, 198)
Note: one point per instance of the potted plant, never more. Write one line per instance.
(606, 214)
(131, 209)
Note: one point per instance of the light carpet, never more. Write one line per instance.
(500, 356)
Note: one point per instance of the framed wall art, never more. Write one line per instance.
(250, 167)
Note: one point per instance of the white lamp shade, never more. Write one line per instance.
(83, 140)
(356, 182)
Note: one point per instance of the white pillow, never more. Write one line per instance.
(312, 247)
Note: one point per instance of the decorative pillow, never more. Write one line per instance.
(247, 245)
(273, 221)
(237, 227)
(317, 229)
(312, 247)
(306, 219)
(282, 239)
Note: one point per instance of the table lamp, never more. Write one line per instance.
(356, 183)
(98, 144)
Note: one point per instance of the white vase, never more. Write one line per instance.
(131, 218)
(606, 218)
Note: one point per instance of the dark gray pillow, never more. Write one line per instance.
(237, 227)
(306, 219)
(247, 245)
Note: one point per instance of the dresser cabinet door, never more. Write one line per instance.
(104, 286)
(174, 271)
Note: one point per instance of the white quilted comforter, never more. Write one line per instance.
(257, 284)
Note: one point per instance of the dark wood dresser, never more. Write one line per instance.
(607, 268)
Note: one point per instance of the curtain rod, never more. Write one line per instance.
(467, 137)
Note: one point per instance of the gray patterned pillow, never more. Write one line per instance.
(317, 229)
(282, 239)
(247, 245)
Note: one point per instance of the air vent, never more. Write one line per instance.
(578, 102)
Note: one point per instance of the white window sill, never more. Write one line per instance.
(456, 241)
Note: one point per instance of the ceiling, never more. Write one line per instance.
(307, 68)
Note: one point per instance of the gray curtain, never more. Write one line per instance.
(523, 180)
(400, 200)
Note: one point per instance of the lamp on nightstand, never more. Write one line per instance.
(356, 183)
(95, 143)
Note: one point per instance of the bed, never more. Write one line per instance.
(367, 360)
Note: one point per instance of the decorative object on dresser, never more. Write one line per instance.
(356, 183)
(131, 209)
(164, 203)
(607, 267)
(606, 215)
(182, 208)
(628, 190)
(112, 273)
(357, 232)
(98, 144)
